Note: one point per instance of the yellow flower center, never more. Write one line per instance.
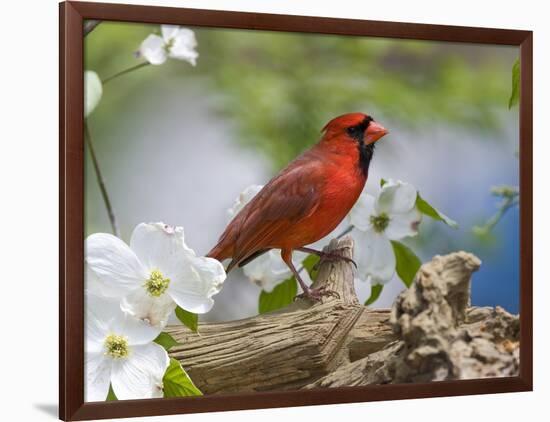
(380, 222)
(116, 346)
(156, 284)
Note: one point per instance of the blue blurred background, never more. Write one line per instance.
(178, 143)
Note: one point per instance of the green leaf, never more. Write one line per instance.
(432, 212)
(382, 182)
(165, 340)
(111, 394)
(375, 291)
(514, 97)
(177, 383)
(310, 262)
(282, 295)
(407, 263)
(189, 319)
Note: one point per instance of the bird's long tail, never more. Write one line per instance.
(218, 253)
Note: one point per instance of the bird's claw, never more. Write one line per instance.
(315, 295)
(332, 257)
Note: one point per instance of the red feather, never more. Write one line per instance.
(308, 198)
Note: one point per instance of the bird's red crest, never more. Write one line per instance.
(345, 121)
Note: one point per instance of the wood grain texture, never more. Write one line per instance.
(430, 334)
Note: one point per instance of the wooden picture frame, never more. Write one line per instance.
(71, 205)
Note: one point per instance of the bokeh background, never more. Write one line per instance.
(177, 143)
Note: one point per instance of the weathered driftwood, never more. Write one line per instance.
(430, 334)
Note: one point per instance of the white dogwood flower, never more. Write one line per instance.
(119, 352)
(153, 274)
(176, 42)
(392, 215)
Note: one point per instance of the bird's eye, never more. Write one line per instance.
(353, 131)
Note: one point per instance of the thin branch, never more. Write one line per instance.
(493, 221)
(124, 72)
(348, 230)
(101, 182)
(510, 197)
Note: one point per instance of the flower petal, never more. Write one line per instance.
(149, 309)
(403, 225)
(100, 314)
(158, 245)
(267, 270)
(92, 91)
(396, 197)
(361, 212)
(374, 256)
(244, 198)
(137, 332)
(104, 316)
(113, 262)
(95, 285)
(183, 46)
(153, 49)
(97, 370)
(169, 32)
(194, 281)
(140, 375)
(363, 253)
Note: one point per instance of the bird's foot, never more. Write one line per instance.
(332, 257)
(315, 295)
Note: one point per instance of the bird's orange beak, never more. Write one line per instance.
(374, 132)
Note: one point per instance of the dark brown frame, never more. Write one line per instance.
(71, 205)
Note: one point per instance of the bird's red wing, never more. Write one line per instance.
(285, 200)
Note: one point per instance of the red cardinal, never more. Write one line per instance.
(307, 199)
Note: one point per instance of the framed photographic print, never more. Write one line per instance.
(267, 210)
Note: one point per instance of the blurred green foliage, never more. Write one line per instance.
(509, 196)
(281, 88)
(514, 96)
